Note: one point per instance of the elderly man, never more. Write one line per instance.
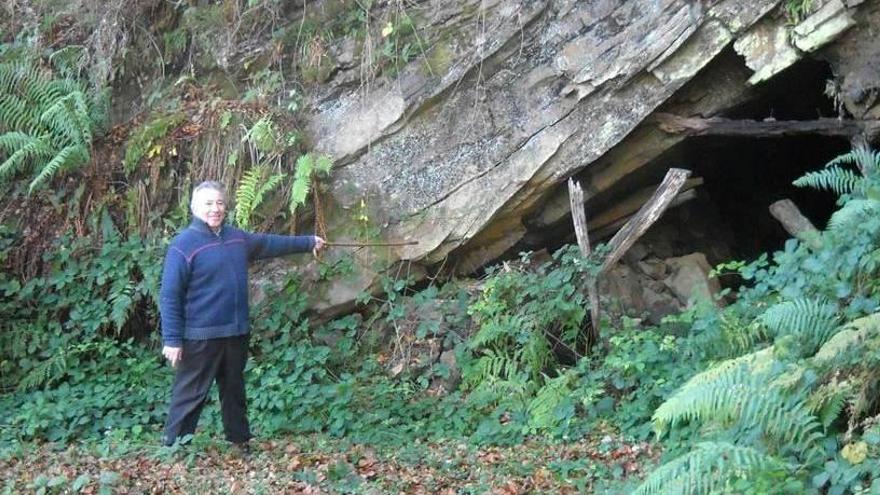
(204, 306)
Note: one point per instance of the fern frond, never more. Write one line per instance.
(852, 213)
(492, 333)
(867, 160)
(828, 401)
(69, 157)
(121, 303)
(707, 469)
(543, 405)
(740, 392)
(758, 362)
(264, 135)
(251, 191)
(492, 367)
(68, 60)
(323, 164)
(54, 113)
(48, 371)
(18, 114)
(246, 194)
(68, 118)
(14, 140)
(30, 150)
(715, 394)
(853, 333)
(740, 336)
(811, 321)
(302, 182)
(839, 180)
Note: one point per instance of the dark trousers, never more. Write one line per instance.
(203, 362)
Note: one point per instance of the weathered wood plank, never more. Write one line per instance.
(795, 223)
(579, 217)
(646, 216)
(718, 126)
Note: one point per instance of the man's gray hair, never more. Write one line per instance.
(208, 184)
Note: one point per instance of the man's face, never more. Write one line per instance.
(209, 206)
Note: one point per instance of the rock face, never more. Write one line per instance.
(465, 149)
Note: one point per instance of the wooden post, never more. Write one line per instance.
(795, 223)
(646, 216)
(579, 217)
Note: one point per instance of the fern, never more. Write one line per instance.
(48, 371)
(493, 366)
(306, 167)
(302, 182)
(732, 371)
(121, 303)
(836, 178)
(251, 191)
(707, 468)
(32, 150)
(867, 160)
(739, 336)
(740, 392)
(853, 213)
(542, 408)
(68, 157)
(812, 322)
(828, 401)
(48, 123)
(714, 394)
(852, 334)
(839, 180)
(264, 135)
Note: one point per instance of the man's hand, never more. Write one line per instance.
(173, 354)
(319, 245)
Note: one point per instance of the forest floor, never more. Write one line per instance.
(317, 464)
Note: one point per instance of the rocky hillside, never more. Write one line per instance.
(454, 124)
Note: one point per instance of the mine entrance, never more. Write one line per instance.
(744, 175)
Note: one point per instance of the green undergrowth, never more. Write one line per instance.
(772, 393)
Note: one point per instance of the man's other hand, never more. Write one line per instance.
(173, 354)
(319, 245)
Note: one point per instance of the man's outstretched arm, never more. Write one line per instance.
(270, 245)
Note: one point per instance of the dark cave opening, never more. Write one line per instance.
(744, 176)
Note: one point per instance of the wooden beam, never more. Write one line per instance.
(795, 223)
(579, 217)
(718, 126)
(646, 216)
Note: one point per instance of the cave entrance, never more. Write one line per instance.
(726, 216)
(743, 176)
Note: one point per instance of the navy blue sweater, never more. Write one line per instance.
(204, 292)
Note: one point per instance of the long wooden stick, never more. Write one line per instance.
(579, 217)
(719, 126)
(646, 216)
(370, 244)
